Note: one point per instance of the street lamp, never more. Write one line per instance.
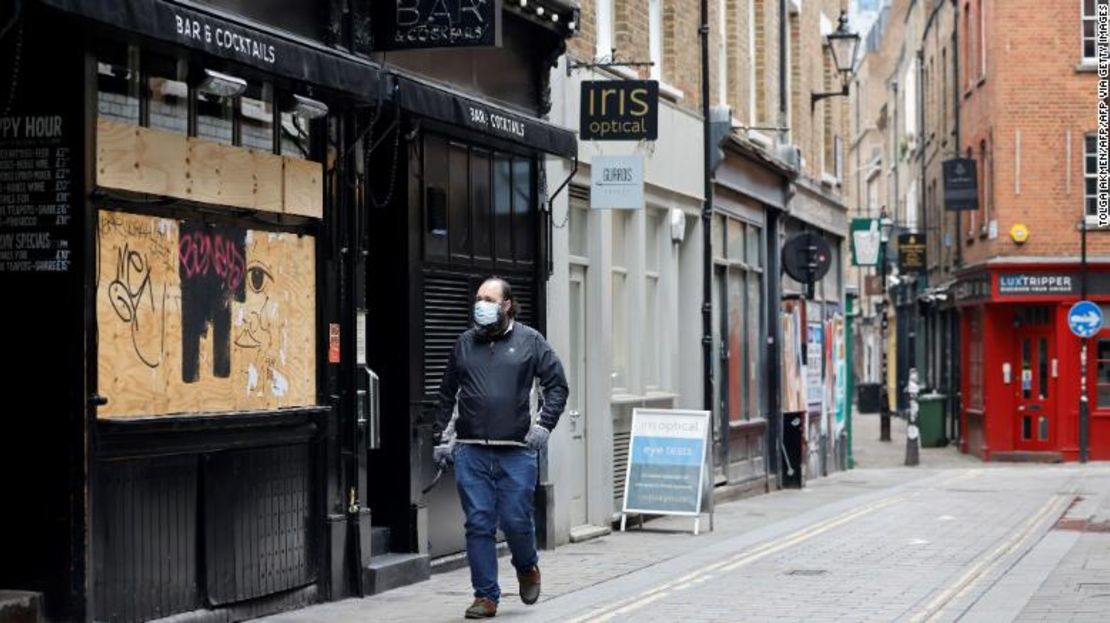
(886, 224)
(843, 45)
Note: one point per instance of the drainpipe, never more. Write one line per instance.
(955, 325)
(706, 221)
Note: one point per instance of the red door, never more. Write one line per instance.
(1035, 386)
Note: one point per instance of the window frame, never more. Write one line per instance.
(1084, 19)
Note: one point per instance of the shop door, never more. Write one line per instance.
(576, 401)
(1036, 419)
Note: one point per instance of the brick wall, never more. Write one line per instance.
(1037, 177)
(746, 22)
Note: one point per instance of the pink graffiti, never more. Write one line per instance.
(201, 252)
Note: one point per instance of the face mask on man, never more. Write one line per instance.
(487, 315)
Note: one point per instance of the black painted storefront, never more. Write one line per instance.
(427, 187)
(222, 515)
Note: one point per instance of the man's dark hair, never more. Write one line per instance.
(506, 293)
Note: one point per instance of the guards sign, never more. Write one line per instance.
(617, 182)
(619, 110)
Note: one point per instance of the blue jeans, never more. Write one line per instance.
(496, 485)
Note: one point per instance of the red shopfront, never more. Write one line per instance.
(1020, 383)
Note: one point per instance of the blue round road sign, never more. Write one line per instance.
(1085, 319)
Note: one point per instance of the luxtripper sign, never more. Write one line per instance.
(619, 110)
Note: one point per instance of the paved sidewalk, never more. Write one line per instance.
(578, 566)
(950, 540)
(869, 452)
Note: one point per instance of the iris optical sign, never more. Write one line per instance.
(619, 110)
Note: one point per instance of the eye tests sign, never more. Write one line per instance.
(619, 110)
(422, 24)
(617, 182)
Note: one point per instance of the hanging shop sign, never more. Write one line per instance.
(619, 110)
(911, 254)
(424, 24)
(867, 247)
(960, 186)
(617, 182)
(807, 257)
(666, 463)
(873, 285)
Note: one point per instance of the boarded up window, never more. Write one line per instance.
(196, 318)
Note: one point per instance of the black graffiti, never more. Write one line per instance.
(211, 276)
(256, 329)
(127, 292)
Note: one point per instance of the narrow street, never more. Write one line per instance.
(951, 540)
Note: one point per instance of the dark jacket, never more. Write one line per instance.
(492, 379)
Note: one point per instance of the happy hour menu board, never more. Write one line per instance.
(35, 194)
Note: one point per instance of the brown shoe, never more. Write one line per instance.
(482, 608)
(529, 584)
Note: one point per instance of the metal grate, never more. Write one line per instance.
(259, 537)
(447, 303)
(620, 464)
(145, 557)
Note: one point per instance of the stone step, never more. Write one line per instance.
(379, 541)
(388, 571)
(20, 607)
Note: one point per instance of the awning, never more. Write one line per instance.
(220, 35)
(449, 106)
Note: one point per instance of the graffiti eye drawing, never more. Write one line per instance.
(258, 276)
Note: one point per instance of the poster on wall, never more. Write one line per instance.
(195, 318)
(793, 367)
(815, 356)
(840, 372)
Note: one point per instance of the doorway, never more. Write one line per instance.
(577, 400)
(1035, 375)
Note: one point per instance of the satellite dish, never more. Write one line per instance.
(806, 257)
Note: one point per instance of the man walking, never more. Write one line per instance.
(491, 371)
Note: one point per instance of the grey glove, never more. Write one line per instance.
(443, 456)
(536, 439)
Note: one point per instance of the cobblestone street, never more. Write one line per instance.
(950, 540)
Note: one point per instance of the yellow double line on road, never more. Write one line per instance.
(606, 613)
(1052, 508)
(747, 557)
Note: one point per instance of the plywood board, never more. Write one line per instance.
(205, 172)
(199, 319)
(268, 185)
(140, 159)
(304, 188)
(164, 163)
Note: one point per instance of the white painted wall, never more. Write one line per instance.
(673, 171)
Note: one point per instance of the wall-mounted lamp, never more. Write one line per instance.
(843, 45)
(220, 84)
(307, 108)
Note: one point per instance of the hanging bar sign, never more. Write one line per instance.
(425, 24)
(619, 110)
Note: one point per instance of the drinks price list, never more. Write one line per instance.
(35, 194)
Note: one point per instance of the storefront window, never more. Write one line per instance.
(118, 85)
(296, 136)
(975, 359)
(256, 118)
(168, 108)
(1102, 380)
(503, 207)
(620, 300)
(653, 232)
(215, 118)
